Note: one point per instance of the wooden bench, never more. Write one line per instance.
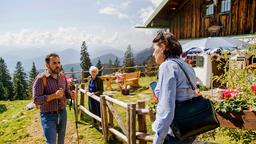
(132, 78)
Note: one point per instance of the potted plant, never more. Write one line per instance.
(152, 110)
(125, 89)
(236, 105)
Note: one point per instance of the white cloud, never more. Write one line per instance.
(125, 4)
(116, 9)
(68, 36)
(113, 11)
(144, 13)
(156, 2)
(72, 37)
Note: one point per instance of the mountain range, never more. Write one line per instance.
(69, 57)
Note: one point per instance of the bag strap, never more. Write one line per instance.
(189, 80)
(62, 75)
(44, 80)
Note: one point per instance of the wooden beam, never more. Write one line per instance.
(118, 118)
(118, 134)
(81, 101)
(82, 94)
(173, 3)
(97, 98)
(129, 124)
(82, 76)
(89, 113)
(142, 121)
(142, 111)
(110, 120)
(82, 90)
(253, 17)
(144, 136)
(181, 6)
(104, 117)
(132, 124)
(115, 101)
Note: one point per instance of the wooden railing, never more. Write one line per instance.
(145, 70)
(109, 113)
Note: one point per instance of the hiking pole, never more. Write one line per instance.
(71, 87)
(75, 112)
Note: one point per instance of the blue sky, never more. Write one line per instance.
(66, 23)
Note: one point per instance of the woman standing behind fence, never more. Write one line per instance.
(95, 87)
(172, 86)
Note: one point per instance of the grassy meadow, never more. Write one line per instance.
(18, 126)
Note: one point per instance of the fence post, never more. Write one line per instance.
(142, 120)
(110, 120)
(81, 101)
(82, 76)
(131, 123)
(104, 118)
(146, 70)
(75, 102)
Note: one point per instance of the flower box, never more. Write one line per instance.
(253, 88)
(245, 119)
(152, 115)
(125, 91)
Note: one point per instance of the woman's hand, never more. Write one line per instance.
(197, 92)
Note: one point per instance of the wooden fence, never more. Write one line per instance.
(109, 113)
(145, 71)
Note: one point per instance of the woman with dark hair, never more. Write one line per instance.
(172, 86)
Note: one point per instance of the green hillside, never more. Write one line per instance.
(18, 126)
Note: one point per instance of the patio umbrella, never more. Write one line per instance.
(194, 50)
(212, 43)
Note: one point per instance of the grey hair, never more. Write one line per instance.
(92, 68)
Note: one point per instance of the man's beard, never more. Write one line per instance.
(55, 71)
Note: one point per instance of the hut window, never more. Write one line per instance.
(225, 5)
(209, 9)
(197, 61)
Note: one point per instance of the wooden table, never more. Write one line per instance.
(108, 79)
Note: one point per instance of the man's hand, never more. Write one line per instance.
(59, 93)
(73, 94)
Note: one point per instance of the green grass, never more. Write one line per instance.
(16, 120)
(20, 126)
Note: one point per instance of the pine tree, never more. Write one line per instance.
(116, 62)
(151, 66)
(72, 73)
(3, 94)
(32, 75)
(6, 83)
(85, 57)
(19, 83)
(129, 59)
(99, 66)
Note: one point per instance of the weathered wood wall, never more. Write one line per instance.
(190, 20)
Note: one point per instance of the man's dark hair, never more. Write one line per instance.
(47, 59)
(173, 47)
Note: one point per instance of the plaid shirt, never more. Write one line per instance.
(40, 92)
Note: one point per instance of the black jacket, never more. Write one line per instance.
(99, 85)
